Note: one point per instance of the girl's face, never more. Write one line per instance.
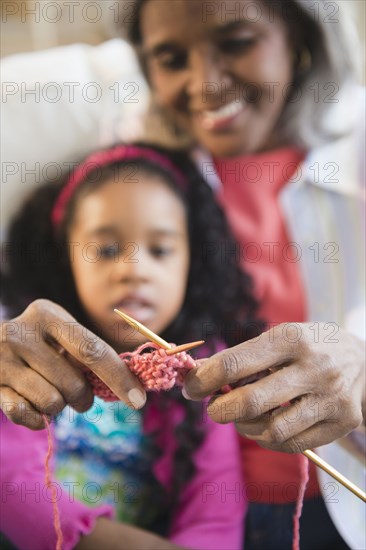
(129, 250)
(221, 69)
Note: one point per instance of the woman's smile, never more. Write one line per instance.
(222, 118)
(220, 80)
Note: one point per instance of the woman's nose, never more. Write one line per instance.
(207, 73)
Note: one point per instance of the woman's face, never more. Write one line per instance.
(130, 251)
(221, 69)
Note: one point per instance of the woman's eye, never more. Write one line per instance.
(110, 251)
(237, 45)
(172, 61)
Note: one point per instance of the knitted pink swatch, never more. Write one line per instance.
(156, 370)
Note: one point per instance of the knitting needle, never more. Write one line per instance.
(154, 337)
(335, 474)
(143, 330)
(309, 454)
(185, 347)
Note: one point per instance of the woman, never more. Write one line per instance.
(251, 83)
(238, 83)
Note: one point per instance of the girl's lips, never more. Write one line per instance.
(137, 308)
(222, 117)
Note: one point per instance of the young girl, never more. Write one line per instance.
(136, 228)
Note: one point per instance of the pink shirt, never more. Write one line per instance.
(209, 515)
(250, 197)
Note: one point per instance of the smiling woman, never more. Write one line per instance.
(236, 109)
(269, 88)
(240, 77)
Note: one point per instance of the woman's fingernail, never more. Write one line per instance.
(185, 394)
(137, 398)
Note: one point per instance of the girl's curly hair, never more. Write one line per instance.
(219, 303)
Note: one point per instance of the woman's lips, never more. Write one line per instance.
(221, 118)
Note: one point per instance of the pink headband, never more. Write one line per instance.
(102, 159)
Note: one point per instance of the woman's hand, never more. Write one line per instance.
(319, 381)
(43, 353)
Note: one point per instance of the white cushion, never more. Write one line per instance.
(85, 97)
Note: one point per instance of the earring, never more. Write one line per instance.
(304, 61)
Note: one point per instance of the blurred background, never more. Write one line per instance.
(35, 25)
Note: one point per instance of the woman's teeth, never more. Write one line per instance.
(210, 119)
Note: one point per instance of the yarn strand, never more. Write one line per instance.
(49, 484)
(304, 478)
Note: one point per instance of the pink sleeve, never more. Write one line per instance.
(26, 517)
(212, 508)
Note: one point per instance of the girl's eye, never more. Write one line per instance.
(110, 251)
(161, 251)
(237, 45)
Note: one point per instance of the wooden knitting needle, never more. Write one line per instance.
(185, 347)
(335, 474)
(143, 330)
(309, 454)
(155, 338)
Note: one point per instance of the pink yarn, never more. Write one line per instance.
(49, 484)
(304, 478)
(156, 370)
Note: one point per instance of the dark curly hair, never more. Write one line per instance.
(219, 303)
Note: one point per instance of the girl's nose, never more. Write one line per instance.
(132, 265)
(207, 74)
